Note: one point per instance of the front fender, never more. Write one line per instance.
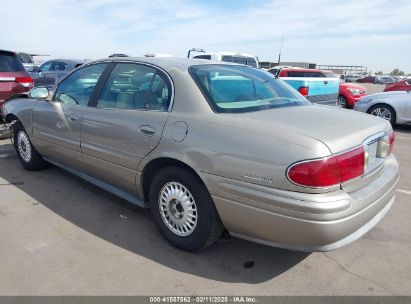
(21, 109)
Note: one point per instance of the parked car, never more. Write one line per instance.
(385, 79)
(403, 85)
(393, 106)
(368, 79)
(27, 61)
(118, 55)
(316, 85)
(398, 78)
(240, 58)
(213, 146)
(350, 93)
(352, 77)
(52, 71)
(13, 77)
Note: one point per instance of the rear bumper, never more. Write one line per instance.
(301, 221)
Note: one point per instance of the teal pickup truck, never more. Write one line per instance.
(317, 86)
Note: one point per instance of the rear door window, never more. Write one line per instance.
(58, 66)
(9, 62)
(135, 86)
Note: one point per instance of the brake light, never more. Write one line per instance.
(24, 81)
(391, 137)
(303, 91)
(329, 171)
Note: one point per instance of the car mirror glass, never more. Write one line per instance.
(39, 93)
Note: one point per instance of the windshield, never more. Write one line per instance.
(231, 89)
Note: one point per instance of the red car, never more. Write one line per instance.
(13, 77)
(403, 85)
(350, 93)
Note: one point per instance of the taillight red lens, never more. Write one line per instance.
(391, 137)
(25, 81)
(303, 91)
(330, 171)
(351, 164)
(316, 173)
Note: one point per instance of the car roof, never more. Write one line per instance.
(224, 53)
(165, 63)
(7, 51)
(296, 69)
(68, 61)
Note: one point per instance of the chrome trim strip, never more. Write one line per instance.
(7, 79)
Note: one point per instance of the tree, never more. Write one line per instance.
(379, 73)
(397, 72)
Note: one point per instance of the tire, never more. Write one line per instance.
(383, 111)
(28, 155)
(169, 187)
(343, 101)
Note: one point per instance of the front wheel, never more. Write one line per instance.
(384, 111)
(183, 209)
(29, 157)
(343, 101)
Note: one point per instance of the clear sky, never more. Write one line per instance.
(374, 33)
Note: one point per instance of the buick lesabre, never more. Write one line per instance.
(211, 146)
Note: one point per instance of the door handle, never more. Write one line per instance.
(72, 117)
(147, 130)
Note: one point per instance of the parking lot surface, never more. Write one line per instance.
(60, 235)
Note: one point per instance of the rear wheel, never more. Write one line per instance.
(384, 111)
(183, 209)
(27, 154)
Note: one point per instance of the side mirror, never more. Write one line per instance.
(35, 69)
(39, 93)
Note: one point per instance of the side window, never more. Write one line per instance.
(78, 87)
(134, 86)
(240, 60)
(227, 58)
(409, 81)
(45, 66)
(202, 57)
(59, 66)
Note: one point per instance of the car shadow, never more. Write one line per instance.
(123, 224)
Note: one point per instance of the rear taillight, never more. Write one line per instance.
(303, 91)
(329, 171)
(24, 81)
(391, 137)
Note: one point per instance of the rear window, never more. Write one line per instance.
(239, 89)
(329, 75)
(311, 74)
(10, 63)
